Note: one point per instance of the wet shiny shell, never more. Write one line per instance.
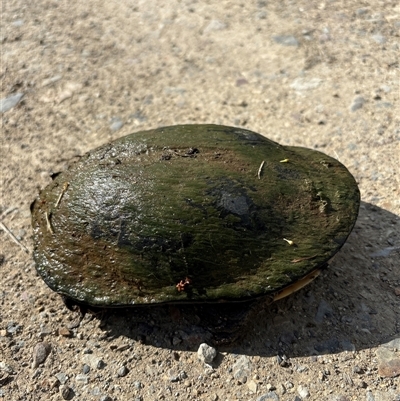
(224, 211)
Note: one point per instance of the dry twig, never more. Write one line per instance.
(13, 237)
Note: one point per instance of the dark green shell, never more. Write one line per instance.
(217, 205)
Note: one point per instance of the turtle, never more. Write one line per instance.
(191, 215)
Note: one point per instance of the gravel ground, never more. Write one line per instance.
(324, 75)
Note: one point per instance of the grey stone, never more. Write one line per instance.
(138, 115)
(261, 15)
(45, 331)
(13, 328)
(177, 377)
(269, 396)
(302, 368)
(116, 124)
(357, 103)
(369, 396)
(6, 368)
(242, 369)
(386, 88)
(206, 353)
(378, 38)
(176, 340)
(40, 352)
(66, 392)
(18, 23)
(138, 385)
(62, 377)
(303, 392)
(252, 385)
(81, 378)
(86, 369)
(384, 105)
(93, 361)
(96, 391)
(303, 84)
(361, 11)
(122, 371)
(286, 40)
(214, 25)
(9, 102)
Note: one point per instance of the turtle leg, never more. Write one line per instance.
(74, 306)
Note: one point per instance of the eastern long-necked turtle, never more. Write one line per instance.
(191, 213)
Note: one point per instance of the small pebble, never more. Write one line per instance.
(9, 102)
(93, 361)
(85, 369)
(242, 369)
(45, 331)
(13, 328)
(214, 25)
(62, 377)
(303, 84)
(116, 124)
(206, 353)
(358, 103)
(369, 396)
(286, 40)
(40, 352)
(63, 331)
(268, 396)
(81, 378)
(303, 392)
(361, 11)
(122, 371)
(358, 370)
(176, 340)
(105, 398)
(6, 368)
(386, 88)
(66, 392)
(252, 385)
(21, 234)
(18, 23)
(96, 391)
(302, 368)
(378, 38)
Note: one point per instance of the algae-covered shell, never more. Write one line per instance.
(190, 213)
